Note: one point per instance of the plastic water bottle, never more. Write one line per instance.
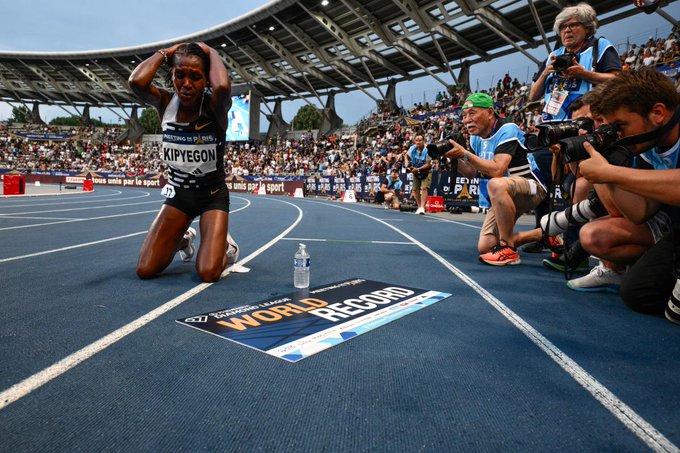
(301, 268)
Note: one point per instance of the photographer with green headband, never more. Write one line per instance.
(509, 184)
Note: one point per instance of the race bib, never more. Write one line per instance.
(168, 191)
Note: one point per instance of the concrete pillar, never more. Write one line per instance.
(330, 121)
(35, 114)
(133, 131)
(277, 126)
(85, 118)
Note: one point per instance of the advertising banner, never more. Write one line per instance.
(305, 322)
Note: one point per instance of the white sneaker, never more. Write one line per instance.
(420, 211)
(232, 250)
(186, 253)
(600, 279)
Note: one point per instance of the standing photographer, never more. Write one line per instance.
(419, 163)
(645, 107)
(573, 69)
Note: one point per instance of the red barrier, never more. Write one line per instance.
(88, 185)
(14, 185)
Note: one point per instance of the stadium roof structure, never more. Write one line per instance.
(290, 49)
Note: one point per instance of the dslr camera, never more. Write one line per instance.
(437, 150)
(551, 133)
(603, 139)
(563, 62)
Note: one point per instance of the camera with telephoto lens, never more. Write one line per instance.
(602, 139)
(563, 62)
(551, 133)
(578, 214)
(437, 150)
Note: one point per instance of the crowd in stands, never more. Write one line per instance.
(652, 53)
(377, 144)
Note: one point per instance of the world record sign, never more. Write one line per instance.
(298, 325)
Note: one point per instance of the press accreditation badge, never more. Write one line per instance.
(556, 101)
(168, 191)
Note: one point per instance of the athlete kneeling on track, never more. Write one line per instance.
(194, 124)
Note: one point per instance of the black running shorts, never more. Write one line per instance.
(194, 202)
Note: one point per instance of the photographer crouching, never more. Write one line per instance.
(644, 107)
(508, 181)
(566, 140)
(390, 188)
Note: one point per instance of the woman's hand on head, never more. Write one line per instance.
(206, 48)
(170, 51)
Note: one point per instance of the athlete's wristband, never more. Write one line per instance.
(164, 53)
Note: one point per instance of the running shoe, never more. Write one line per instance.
(533, 247)
(420, 211)
(187, 252)
(232, 250)
(555, 263)
(556, 243)
(600, 279)
(501, 255)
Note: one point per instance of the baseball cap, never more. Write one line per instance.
(481, 100)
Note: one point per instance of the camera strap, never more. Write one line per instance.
(654, 135)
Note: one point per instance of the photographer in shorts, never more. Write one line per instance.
(645, 109)
(571, 71)
(507, 181)
(419, 163)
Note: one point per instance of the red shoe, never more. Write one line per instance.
(501, 255)
(556, 244)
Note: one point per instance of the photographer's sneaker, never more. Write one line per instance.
(533, 247)
(673, 306)
(501, 255)
(555, 263)
(600, 279)
(420, 211)
(232, 250)
(187, 252)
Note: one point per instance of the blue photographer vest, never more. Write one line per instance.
(418, 158)
(574, 87)
(520, 165)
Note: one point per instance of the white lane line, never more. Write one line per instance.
(78, 201)
(87, 244)
(77, 220)
(84, 209)
(71, 247)
(626, 415)
(35, 218)
(347, 240)
(437, 219)
(41, 378)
